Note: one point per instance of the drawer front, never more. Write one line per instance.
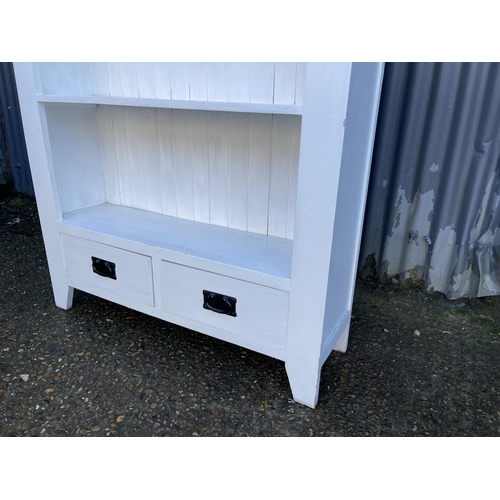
(124, 273)
(236, 306)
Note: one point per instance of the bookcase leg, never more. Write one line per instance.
(341, 344)
(64, 297)
(304, 382)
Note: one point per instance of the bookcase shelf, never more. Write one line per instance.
(224, 197)
(238, 107)
(253, 257)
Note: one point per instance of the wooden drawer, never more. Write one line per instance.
(132, 277)
(261, 313)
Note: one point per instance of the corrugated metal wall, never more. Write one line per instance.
(13, 131)
(433, 212)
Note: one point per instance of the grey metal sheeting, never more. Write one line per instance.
(433, 213)
(14, 132)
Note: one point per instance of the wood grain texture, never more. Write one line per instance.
(76, 158)
(198, 89)
(146, 80)
(69, 78)
(262, 82)
(325, 104)
(284, 83)
(217, 151)
(217, 81)
(115, 82)
(183, 163)
(108, 154)
(166, 161)
(281, 163)
(239, 82)
(259, 168)
(134, 277)
(294, 179)
(262, 313)
(116, 148)
(162, 81)
(201, 175)
(135, 158)
(234, 170)
(128, 77)
(100, 79)
(122, 160)
(300, 82)
(150, 160)
(236, 107)
(44, 181)
(237, 158)
(247, 256)
(179, 81)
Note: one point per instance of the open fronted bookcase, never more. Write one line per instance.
(224, 197)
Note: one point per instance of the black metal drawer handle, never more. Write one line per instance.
(104, 268)
(218, 303)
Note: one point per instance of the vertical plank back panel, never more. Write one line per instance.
(146, 80)
(259, 167)
(150, 159)
(183, 166)
(162, 81)
(122, 155)
(201, 177)
(128, 75)
(262, 82)
(115, 82)
(237, 159)
(198, 81)
(108, 154)
(281, 160)
(300, 83)
(217, 81)
(65, 78)
(100, 78)
(294, 178)
(217, 161)
(236, 170)
(179, 81)
(239, 82)
(284, 83)
(166, 160)
(134, 150)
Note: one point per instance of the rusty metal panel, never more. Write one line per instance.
(13, 131)
(433, 211)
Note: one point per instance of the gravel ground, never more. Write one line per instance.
(417, 365)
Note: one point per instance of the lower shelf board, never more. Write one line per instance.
(261, 259)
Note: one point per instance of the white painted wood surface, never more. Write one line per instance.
(262, 312)
(217, 175)
(248, 256)
(360, 128)
(319, 171)
(42, 172)
(134, 277)
(234, 170)
(76, 157)
(271, 83)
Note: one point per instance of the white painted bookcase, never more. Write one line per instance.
(224, 197)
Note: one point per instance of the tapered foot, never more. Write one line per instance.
(341, 344)
(64, 297)
(304, 382)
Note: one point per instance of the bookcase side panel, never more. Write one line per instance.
(74, 142)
